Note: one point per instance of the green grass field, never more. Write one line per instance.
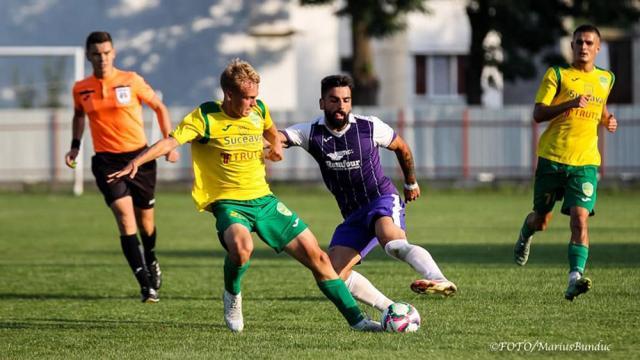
(66, 291)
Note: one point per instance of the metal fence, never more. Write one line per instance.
(448, 142)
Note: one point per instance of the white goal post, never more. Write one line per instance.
(78, 55)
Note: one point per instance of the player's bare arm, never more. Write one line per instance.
(542, 112)
(164, 123)
(283, 139)
(77, 131)
(405, 159)
(608, 120)
(158, 149)
(272, 135)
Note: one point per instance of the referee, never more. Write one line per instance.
(112, 99)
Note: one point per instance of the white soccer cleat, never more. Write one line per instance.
(521, 249)
(367, 325)
(439, 287)
(233, 311)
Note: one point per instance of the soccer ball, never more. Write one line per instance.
(400, 317)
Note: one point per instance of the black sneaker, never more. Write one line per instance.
(577, 287)
(149, 295)
(155, 275)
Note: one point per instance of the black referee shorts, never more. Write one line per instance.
(141, 188)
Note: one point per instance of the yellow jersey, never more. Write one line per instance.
(572, 137)
(226, 152)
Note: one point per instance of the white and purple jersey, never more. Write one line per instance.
(349, 159)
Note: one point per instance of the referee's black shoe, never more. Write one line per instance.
(155, 275)
(149, 295)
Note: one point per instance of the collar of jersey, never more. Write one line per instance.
(572, 67)
(114, 73)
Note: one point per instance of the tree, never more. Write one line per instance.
(370, 19)
(528, 28)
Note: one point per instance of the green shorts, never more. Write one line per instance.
(267, 216)
(577, 184)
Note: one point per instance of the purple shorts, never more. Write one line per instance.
(358, 230)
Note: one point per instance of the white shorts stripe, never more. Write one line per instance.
(395, 212)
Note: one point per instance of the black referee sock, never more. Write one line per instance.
(149, 244)
(133, 253)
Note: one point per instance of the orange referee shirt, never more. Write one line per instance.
(114, 108)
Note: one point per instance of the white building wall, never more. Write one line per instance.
(316, 52)
(445, 30)
(394, 70)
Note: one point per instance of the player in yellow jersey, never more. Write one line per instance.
(573, 100)
(229, 180)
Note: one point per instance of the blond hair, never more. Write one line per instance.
(237, 73)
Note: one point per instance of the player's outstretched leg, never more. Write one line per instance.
(434, 282)
(305, 249)
(336, 291)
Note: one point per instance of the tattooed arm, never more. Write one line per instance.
(405, 159)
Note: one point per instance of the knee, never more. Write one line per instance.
(127, 225)
(320, 264)
(240, 255)
(127, 221)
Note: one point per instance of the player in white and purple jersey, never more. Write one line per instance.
(345, 146)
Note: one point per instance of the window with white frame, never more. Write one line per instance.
(439, 75)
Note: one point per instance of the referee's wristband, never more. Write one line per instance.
(411, 186)
(75, 144)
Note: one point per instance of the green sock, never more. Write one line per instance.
(338, 293)
(525, 231)
(578, 255)
(233, 275)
